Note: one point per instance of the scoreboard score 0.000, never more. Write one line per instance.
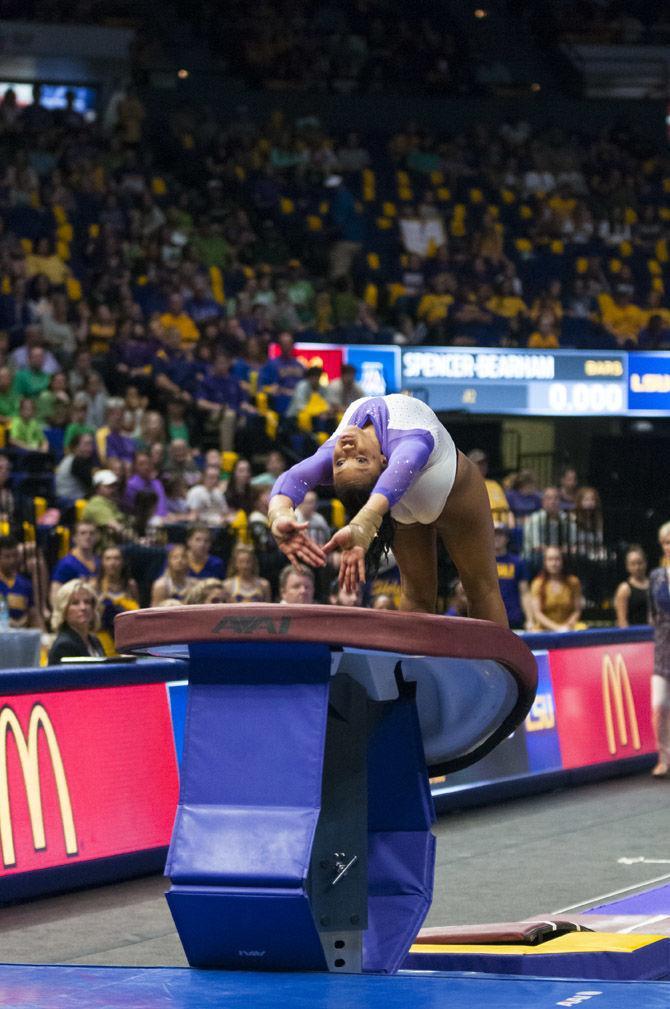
(578, 398)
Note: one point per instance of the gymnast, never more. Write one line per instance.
(403, 483)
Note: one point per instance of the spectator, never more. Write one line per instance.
(102, 509)
(201, 563)
(207, 502)
(568, 482)
(176, 581)
(111, 442)
(75, 617)
(308, 402)
(383, 602)
(659, 608)
(7, 503)
(513, 581)
(296, 585)
(117, 593)
(275, 465)
(180, 462)
(177, 319)
(144, 479)
(206, 592)
(9, 399)
(239, 492)
(15, 587)
(631, 599)
(82, 562)
(26, 432)
(281, 374)
(556, 597)
(74, 473)
(220, 399)
(33, 379)
(342, 391)
(550, 526)
(243, 584)
(523, 496)
(317, 527)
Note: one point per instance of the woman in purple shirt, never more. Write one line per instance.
(403, 482)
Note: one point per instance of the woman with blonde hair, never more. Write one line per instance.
(74, 619)
(206, 592)
(243, 584)
(176, 582)
(659, 608)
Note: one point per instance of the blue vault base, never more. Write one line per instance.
(52, 987)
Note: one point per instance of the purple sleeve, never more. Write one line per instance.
(406, 460)
(306, 475)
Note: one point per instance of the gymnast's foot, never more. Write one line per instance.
(661, 770)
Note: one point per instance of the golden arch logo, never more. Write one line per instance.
(27, 745)
(618, 704)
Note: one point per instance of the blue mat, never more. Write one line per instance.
(47, 987)
(656, 901)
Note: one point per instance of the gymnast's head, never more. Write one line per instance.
(357, 462)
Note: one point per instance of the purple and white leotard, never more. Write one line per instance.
(421, 458)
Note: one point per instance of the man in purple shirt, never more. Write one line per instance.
(143, 478)
(221, 400)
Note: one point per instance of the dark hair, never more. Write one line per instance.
(8, 542)
(355, 498)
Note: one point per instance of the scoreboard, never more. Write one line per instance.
(556, 383)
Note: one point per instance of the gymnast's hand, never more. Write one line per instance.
(295, 544)
(352, 564)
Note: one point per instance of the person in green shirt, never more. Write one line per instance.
(77, 425)
(33, 380)
(9, 400)
(25, 431)
(101, 509)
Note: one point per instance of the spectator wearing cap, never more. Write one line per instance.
(513, 580)
(500, 508)
(102, 509)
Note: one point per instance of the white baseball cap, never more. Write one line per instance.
(105, 478)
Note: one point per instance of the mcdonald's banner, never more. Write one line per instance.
(84, 774)
(602, 700)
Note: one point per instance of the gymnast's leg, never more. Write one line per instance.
(466, 529)
(415, 550)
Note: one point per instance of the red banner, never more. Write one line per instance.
(603, 704)
(326, 356)
(85, 774)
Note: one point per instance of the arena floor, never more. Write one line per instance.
(524, 858)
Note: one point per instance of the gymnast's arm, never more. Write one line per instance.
(289, 490)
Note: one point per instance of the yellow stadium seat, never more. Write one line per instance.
(158, 186)
(79, 506)
(39, 507)
(27, 246)
(240, 526)
(314, 223)
(286, 206)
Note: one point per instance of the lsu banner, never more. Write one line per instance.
(84, 774)
(603, 704)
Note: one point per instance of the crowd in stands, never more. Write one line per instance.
(151, 295)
